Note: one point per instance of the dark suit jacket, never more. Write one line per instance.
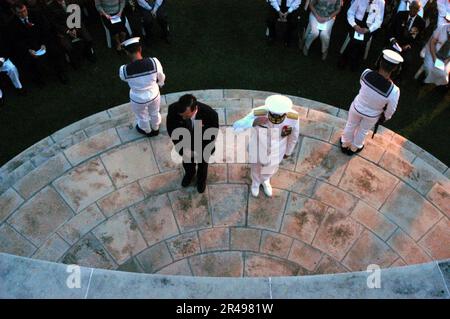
(24, 38)
(400, 32)
(57, 17)
(206, 114)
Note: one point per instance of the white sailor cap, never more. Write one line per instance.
(130, 41)
(278, 104)
(392, 56)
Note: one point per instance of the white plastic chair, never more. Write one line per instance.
(108, 35)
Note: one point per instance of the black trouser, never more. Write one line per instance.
(161, 18)
(200, 168)
(292, 22)
(66, 43)
(354, 51)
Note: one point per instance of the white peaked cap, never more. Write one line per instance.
(131, 41)
(278, 104)
(392, 56)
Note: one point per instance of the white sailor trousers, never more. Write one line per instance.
(147, 114)
(312, 32)
(357, 128)
(12, 73)
(261, 173)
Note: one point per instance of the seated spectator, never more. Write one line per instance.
(407, 28)
(32, 44)
(321, 21)
(437, 72)
(152, 10)
(404, 5)
(365, 17)
(443, 7)
(109, 9)
(285, 11)
(68, 37)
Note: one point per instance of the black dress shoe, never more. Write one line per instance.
(345, 150)
(187, 179)
(350, 152)
(201, 186)
(153, 133)
(141, 131)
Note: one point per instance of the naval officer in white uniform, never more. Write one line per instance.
(144, 76)
(377, 97)
(275, 133)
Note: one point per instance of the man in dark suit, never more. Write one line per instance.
(68, 37)
(407, 28)
(186, 120)
(32, 43)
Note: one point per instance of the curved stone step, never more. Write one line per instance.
(87, 177)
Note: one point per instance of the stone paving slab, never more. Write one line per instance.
(337, 234)
(294, 182)
(219, 264)
(53, 249)
(407, 248)
(410, 211)
(121, 199)
(191, 210)
(373, 220)
(111, 123)
(437, 241)
(368, 182)
(275, 244)
(9, 179)
(81, 224)
(155, 258)
(84, 185)
(78, 126)
(244, 239)
(334, 197)
(303, 216)
(440, 197)
(130, 162)
(43, 175)
(120, 236)
(213, 239)
(161, 183)
(12, 242)
(267, 212)
(131, 265)
(329, 265)
(155, 219)
(92, 146)
(321, 160)
(305, 255)
(201, 95)
(89, 252)
(239, 173)
(237, 94)
(9, 202)
(369, 250)
(179, 268)
(228, 204)
(162, 147)
(319, 130)
(265, 266)
(41, 216)
(184, 245)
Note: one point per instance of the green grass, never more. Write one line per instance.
(218, 44)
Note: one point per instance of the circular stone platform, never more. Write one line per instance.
(98, 194)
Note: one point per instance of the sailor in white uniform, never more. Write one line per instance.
(10, 69)
(443, 11)
(378, 97)
(144, 76)
(275, 133)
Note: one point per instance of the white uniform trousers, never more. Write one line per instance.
(312, 32)
(147, 114)
(261, 174)
(357, 127)
(13, 74)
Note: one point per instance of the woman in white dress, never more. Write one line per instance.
(438, 48)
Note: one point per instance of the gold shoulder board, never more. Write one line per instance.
(260, 112)
(293, 116)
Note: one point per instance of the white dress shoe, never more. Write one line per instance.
(267, 188)
(255, 189)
